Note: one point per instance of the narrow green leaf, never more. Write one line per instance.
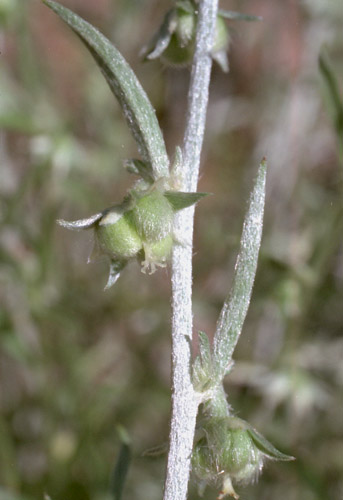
(204, 349)
(202, 365)
(233, 313)
(140, 168)
(135, 104)
(237, 16)
(336, 101)
(266, 447)
(120, 471)
(180, 200)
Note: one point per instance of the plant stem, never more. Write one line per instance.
(184, 399)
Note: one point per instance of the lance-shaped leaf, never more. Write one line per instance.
(237, 16)
(236, 305)
(180, 200)
(135, 104)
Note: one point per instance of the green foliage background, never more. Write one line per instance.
(77, 362)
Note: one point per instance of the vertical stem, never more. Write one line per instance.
(184, 399)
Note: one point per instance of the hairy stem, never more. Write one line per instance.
(184, 399)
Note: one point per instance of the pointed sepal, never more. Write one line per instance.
(78, 225)
(161, 40)
(266, 447)
(180, 200)
(222, 60)
(116, 266)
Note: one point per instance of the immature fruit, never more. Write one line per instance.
(153, 217)
(231, 450)
(175, 40)
(117, 235)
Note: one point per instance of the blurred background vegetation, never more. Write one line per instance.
(76, 362)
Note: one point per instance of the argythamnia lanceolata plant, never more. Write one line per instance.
(154, 222)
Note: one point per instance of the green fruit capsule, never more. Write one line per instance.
(117, 236)
(153, 217)
(240, 457)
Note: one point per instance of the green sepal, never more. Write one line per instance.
(138, 167)
(116, 267)
(161, 40)
(222, 60)
(238, 16)
(180, 200)
(78, 225)
(266, 447)
(138, 111)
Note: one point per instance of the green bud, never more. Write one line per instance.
(153, 216)
(117, 236)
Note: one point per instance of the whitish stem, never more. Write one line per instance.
(184, 399)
